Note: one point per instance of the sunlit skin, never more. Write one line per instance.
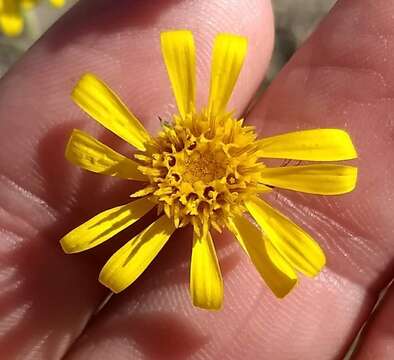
(342, 78)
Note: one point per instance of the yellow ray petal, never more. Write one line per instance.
(313, 145)
(293, 244)
(11, 19)
(104, 226)
(130, 261)
(88, 153)
(206, 284)
(58, 3)
(103, 105)
(179, 56)
(228, 56)
(323, 179)
(275, 271)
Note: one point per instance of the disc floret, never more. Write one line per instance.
(201, 175)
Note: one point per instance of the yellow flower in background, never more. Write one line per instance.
(204, 169)
(11, 14)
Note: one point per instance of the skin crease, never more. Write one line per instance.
(340, 78)
(377, 340)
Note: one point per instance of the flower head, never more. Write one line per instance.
(205, 169)
(11, 14)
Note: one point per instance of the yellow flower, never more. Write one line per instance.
(204, 169)
(11, 14)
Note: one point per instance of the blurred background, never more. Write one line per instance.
(295, 20)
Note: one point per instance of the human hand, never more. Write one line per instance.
(48, 301)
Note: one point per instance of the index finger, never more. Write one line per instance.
(48, 297)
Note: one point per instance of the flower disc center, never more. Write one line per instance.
(204, 165)
(202, 172)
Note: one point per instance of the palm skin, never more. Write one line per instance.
(341, 78)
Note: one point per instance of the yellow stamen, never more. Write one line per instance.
(198, 176)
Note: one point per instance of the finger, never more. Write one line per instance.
(47, 297)
(335, 80)
(377, 340)
(343, 83)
